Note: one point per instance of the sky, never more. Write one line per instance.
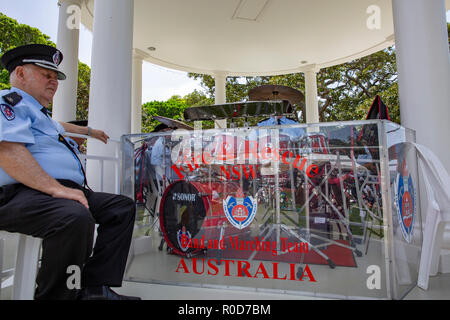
(158, 83)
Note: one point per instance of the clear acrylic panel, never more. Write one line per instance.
(405, 225)
(299, 209)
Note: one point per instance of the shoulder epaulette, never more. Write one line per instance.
(12, 98)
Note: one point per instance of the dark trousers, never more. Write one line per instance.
(67, 230)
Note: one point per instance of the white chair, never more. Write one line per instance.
(26, 267)
(24, 273)
(437, 185)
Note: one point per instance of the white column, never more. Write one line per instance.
(65, 100)
(110, 91)
(423, 64)
(136, 98)
(312, 103)
(220, 81)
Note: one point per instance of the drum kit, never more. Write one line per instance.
(194, 207)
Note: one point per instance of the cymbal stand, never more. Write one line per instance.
(333, 207)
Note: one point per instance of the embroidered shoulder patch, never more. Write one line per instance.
(7, 112)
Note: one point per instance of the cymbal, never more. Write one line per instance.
(172, 123)
(276, 92)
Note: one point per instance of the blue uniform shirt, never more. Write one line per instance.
(293, 133)
(26, 123)
(157, 157)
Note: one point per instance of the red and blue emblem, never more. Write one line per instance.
(405, 202)
(8, 112)
(56, 58)
(184, 238)
(240, 210)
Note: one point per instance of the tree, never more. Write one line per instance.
(84, 81)
(172, 108)
(13, 34)
(197, 98)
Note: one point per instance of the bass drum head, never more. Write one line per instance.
(182, 211)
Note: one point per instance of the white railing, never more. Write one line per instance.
(115, 159)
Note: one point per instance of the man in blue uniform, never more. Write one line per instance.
(282, 120)
(43, 188)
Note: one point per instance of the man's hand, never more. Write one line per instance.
(100, 135)
(71, 194)
(97, 134)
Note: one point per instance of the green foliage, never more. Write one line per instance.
(197, 98)
(84, 80)
(172, 108)
(14, 34)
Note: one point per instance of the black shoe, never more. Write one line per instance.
(102, 293)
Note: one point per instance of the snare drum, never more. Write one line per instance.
(193, 210)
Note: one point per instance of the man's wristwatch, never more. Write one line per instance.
(89, 131)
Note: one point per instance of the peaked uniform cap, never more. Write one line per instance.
(38, 54)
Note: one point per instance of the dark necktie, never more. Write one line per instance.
(45, 111)
(64, 141)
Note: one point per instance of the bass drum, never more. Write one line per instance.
(193, 210)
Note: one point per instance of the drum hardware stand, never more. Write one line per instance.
(333, 207)
(341, 185)
(221, 237)
(342, 219)
(278, 227)
(169, 146)
(377, 216)
(361, 203)
(306, 206)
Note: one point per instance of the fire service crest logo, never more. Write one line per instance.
(56, 58)
(7, 111)
(405, 202)
(240, 210)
